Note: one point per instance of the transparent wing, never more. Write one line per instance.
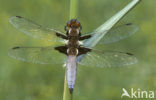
(119, 33)
(32, 29)
(40, 55)
(107, 59)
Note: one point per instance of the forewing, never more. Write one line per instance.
(119, 33)
(107, 59)
(40, 55)
(33, 29)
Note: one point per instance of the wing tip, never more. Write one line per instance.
(11, 19)
(129, 54)
(135, 60)
(18, 16)
(132, 24)
(17, 47)
(12, 50)
(129, 24)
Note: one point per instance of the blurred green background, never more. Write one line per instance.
(26, 81)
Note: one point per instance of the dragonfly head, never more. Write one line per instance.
(73, 23)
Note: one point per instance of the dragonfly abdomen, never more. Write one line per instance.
(71, 67)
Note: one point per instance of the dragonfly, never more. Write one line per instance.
(71, 49)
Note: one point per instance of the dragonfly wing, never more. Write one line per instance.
(33, 29)
(107, 59)
(119, 33)
(40, 55)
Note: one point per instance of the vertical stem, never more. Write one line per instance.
(73, 15)
(73, 9)
(65, 87)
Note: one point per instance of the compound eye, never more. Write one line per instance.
(78, 25)
(69, 24)
(77, 22)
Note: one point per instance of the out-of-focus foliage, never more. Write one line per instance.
(26, 81)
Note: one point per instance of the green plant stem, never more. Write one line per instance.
(73, 15)
(65, 87)
(73, 9)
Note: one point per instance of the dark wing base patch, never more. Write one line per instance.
(84, 37)
(83, 50)
(62, 49)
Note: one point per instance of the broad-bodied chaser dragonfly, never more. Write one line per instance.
(73, 49)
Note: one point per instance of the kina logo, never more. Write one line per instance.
(138, 93)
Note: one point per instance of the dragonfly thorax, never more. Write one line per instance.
(73, 28)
